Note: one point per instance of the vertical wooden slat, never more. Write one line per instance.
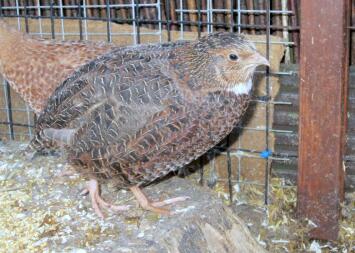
(167, 18)
(103, 10)
(220, 17)
(173, 15)
(89, 11)
(52, 19)
(199, 26)
(191, 5)
(148, 13)
(204, 15)
(323, 82)
(66, 11)
(261, 6)
(123, 12)
(229, 14)
(244, 19)
(295, 34)
(164, 14)
(276, 18)
(94, 11)
(73, 10)
(257, 19)
(186, 16)
(250, 6)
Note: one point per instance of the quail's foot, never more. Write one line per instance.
(146, 204)
(97, 202)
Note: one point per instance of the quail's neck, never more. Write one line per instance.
(242, 88)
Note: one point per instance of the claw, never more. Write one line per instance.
(146, 204)
(97, 202)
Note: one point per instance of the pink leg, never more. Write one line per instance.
(146, 204)
(97, 202)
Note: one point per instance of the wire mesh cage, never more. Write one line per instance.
(265, 146)
(236, 162)
(267, 140)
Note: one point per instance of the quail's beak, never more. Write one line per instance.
(258, 59)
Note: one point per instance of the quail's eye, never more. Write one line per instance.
(233, 57)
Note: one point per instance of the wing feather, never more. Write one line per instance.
(118, 92)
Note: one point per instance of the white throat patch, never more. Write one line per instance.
(242, 88)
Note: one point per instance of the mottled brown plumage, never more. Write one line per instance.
(35, 67)
(138, 113)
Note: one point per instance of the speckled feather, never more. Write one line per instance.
(138, 113)
(35, 67)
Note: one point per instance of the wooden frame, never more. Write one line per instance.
(323, 94)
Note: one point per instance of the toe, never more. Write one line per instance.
(96, 206)
(170, 201)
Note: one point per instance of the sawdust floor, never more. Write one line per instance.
(43, 212)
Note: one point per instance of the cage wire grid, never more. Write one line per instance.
(204, 22)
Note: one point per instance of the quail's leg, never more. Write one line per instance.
(146, 204)
(97, 202)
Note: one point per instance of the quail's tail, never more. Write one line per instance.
(48, 140)
(38, 146)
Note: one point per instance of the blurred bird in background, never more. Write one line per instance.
(35, 67)
(136, 114)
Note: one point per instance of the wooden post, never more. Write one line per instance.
(323, 84)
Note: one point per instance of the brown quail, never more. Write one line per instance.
(138, 113)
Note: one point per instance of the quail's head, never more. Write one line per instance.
(225, 61)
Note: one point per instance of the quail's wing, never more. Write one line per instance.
(109, 99)
(122, 64)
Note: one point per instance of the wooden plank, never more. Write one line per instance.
(323, 83)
